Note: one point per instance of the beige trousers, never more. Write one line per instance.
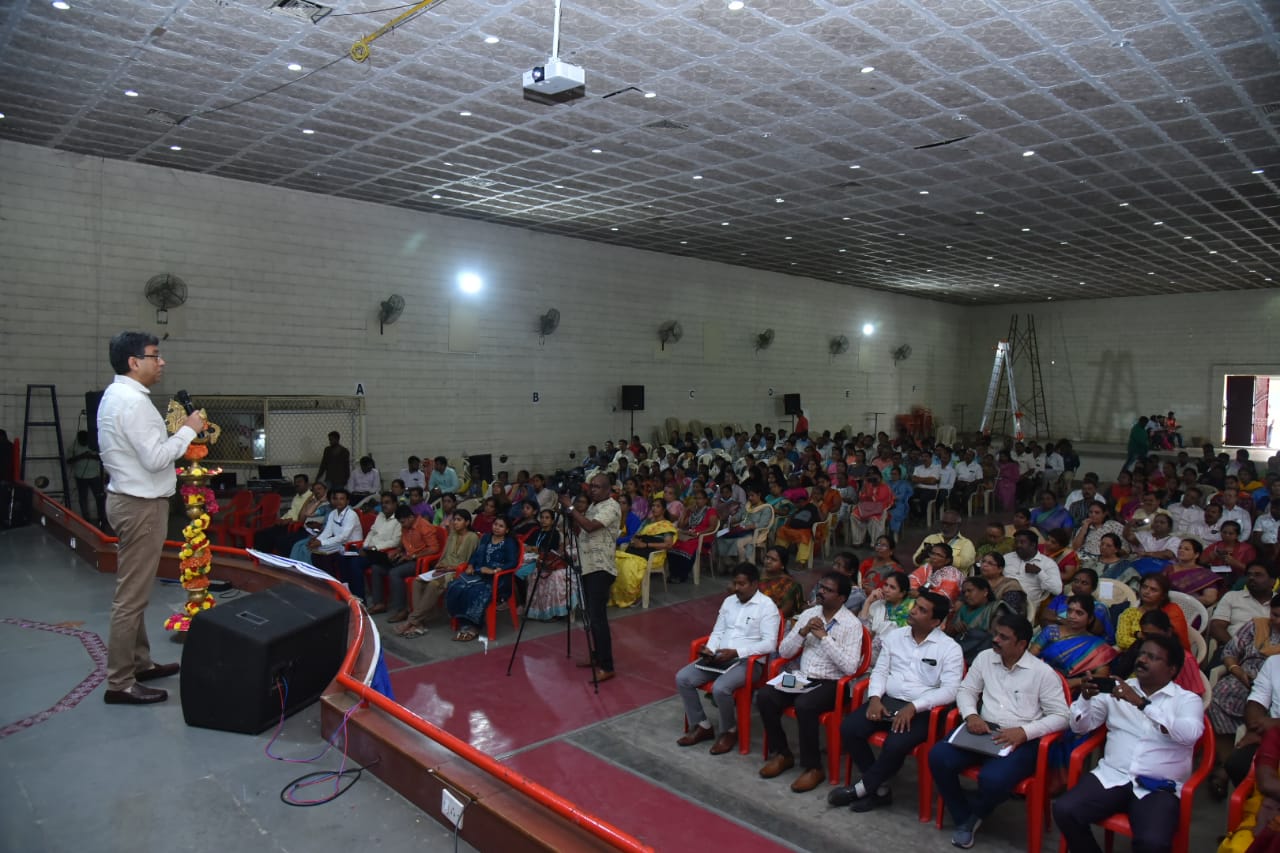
(141, 525)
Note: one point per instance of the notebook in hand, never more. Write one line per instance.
(892, 706)
(712, 665)
(983, 744)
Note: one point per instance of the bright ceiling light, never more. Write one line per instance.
(697, 177)
(469, 282)
(735, 5)
(1, 115)
(129, 93)
(293, 66)
(175, 147)
(868, 329)
(491, 39)
(1028, 153)
(867, 69)
(436, 195)
(597, 151)
(651, 94)
(61, 4)
(1257, 172)
(308, 131)
(465, 113)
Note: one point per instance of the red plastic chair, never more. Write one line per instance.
(424, 564)
(741, 696)
(1235, 807)
(830, 720)
(1034, 788)
(924, 785)
(491, 612)
(234, 513)
(264, 515)
(1205, 747)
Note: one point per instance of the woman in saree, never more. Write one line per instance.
(469, 594)
(1007, 476)
(655, 537)
(549, 591)
(782, 508)
(797, 532)
(1254, 643)
(1005, 589)
(483, 522)
(1187, 575)
(1089, 534)
(540, 540)
(1085, 582)
(631, 520)
(886, 608)
(699, 520)
(634, 491)
(1057, 547)
(1071, 645)
(1050, 515)
(1112, 565)
(1153, 594)
(458, 547)
(777, 583)
(880, 564)
(938, 574)
(971, 626)
(740, 542)
(1229, 552)
(526, 519)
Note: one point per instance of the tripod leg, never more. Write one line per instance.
(533, 587)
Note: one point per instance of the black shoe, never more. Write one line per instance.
(842, 796)
(871, 801)
(138, 694)
(159, 670)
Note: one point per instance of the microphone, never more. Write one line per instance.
(184, 400)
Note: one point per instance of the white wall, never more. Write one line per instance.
(1107, 362)
(284, 289)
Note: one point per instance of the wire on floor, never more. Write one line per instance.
(343, 778)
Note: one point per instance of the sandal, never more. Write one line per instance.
(414, 632)
(466, 635)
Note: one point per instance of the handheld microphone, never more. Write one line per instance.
(184, 400)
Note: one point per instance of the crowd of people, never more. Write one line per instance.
(1032, 612)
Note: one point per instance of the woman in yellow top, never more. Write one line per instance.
(656, 536)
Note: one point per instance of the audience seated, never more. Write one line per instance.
(1156, 622)
(1049, 515)
(546, 594)
(1038, 575)
(1152, 729)
(938, 574)
(1085, 582)
(828, 640)
(747, 625)
(413, 475)
(1074, 645)
(1016, 698)
(381, 547)
(460, 543)
(444, 480)
(871, 513)
(1245, 696)
(418, 538)
(1153, 594)
(700, 519)
(364, 480)
(880, 564)
(341, 525)
(471, 591)
(963, 551)
(919, 668)
(1187, 575)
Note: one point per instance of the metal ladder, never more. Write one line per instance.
(56, 425)
(1020, 347)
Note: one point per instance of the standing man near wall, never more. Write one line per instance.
(335, 464)
(596, 546)
(139, 457)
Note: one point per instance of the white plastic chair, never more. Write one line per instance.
(1118, 592)
(1195, 613)
(649, 571)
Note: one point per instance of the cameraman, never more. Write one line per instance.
(598, 528)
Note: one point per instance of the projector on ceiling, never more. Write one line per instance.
(554, 83)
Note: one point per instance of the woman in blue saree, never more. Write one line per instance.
(469, 594)
(1084, 582)
(1050, 515)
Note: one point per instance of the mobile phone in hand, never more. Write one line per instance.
(1105, 684)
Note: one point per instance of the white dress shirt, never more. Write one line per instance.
(384, 535)
(339, 528)
(750, 628)
(1158, 741)
(365, 483)
(1267, 527)
(969, 472)
(1037, 586)
(135, 447)
(1030, 695)
(413, 478)
(946, 477)
(1238, 607)
(926, 674)
(834, 656)
(1266, 687)
(1240, 515)
(926, 472)
(1185, 518)
(1206, 533)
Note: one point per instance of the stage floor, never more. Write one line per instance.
(613, 754)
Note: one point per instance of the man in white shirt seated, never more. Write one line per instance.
(365, 480)
(1265, 531)
(1152, 729)
(1088, 492)
(1038, 575)
(341, 525)
(919, 669)
(1187, 513)
(414, 475)
(968, 476)
(828, 639)
(747, 625)
(1022, 700)
(1232, 511)
(1209, 530)
(1239, 606)
(727, 442)
(924, 482)
(946, 475)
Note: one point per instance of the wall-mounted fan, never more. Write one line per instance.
(389, 310)
(837, 345)
(764, 339)
(548, 322)
(902, 353)
(670, 332)
(165, 291)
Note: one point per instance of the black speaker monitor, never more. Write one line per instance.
(633, 398)
(791, 404)
(237, 654)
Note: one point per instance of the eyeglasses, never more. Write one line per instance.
(154, 355)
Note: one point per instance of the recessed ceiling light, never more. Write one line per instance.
(436, 195)
(844, 218)
(1050, 298)
(1082, 282)
(1062, 242)
(842, 251)
(1028, 153)
(786, 238)
(613, 229)
(1026, 229)
(1213, 251)
(597, 151)
(867, 69)
(1150, 273)
(697, 177)
(924, 192)
(1186, 238)
(61, 4)
(308, 131)
(129, 93)
(779, 200)
(724, 223)
(980, 213)
(1158, 222)
(1257, 172)
(684, 242)
(735, 5)
(465, 113)
(651, 94)
(293, 66)
(1, 115)
(175, 147)
(855, 167)
(990, 258)
(491, 39)
(995, 285)
(557, 186)
(1124, 204)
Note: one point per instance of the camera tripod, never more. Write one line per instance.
(574, 596)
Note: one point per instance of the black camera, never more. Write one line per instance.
(567, 482)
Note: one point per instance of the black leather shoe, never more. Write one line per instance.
(159, 670)
(138, 694)
(842, 796)
(871, 801)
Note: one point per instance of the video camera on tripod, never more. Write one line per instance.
(567, 482)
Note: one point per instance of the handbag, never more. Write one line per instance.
(550, 561)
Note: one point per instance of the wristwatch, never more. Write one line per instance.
(1143, 705)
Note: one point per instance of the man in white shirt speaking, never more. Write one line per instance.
(138, 454)
(1015, 698)
(1152, 729)
(747, 625)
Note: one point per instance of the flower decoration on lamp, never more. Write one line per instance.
(198, 500)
